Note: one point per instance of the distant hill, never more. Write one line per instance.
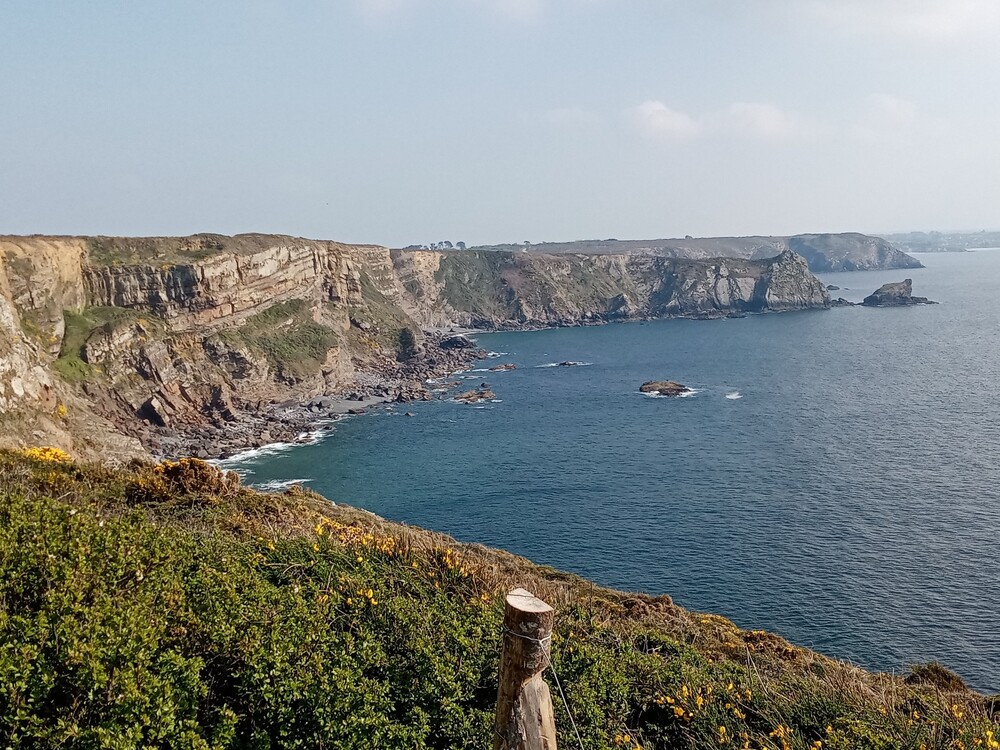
(943, 242)
(850, 251)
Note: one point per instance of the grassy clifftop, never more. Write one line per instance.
(168, 606)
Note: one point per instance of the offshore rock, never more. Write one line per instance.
(898, 294)
(475, 397)
(664, 388)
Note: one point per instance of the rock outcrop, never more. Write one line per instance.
(849, 252)
(898, 294)
(476, 396)
(504, 290)
(664, 388)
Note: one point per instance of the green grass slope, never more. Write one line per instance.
(169, 607)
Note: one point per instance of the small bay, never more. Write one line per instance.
(835, 478)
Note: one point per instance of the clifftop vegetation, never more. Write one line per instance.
(168, 606)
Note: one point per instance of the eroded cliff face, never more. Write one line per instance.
(141, 336)
(849, 252)
(36, 405)
(491, 289)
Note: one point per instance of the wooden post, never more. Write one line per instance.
(524, 706)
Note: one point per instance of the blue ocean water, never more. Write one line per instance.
(835, 479)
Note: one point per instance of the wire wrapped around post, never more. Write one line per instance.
(525, 719)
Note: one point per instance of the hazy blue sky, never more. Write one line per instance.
(399, 121)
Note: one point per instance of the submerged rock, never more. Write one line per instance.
(664, 388)
(504, 367)
(896, 294)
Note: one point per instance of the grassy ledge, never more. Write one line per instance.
(167, 606)
(285, 333)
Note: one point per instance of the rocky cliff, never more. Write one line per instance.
(498, 289)
(849, 251)
(152, 338)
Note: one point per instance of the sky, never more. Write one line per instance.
(414, 121)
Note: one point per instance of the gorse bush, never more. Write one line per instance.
(121, 633)
(168, 607)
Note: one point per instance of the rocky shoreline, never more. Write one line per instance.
(241, 428)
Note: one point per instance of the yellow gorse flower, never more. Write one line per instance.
(54, 455)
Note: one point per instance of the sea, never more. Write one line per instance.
(834, 477)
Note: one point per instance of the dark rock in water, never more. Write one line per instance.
(458, 342)
(832, 288)
(409, 414)
(504, 367)
(707, 315)
(356, 411)
(664, 388)
(570, 364)
(841, 302)
(897, 294)
(474, 397)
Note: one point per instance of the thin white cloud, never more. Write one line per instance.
(887, 119)
(761, 120)
(518, 10)
(378, 10)
(929, 19)
(656, 120)
(893, 108)
(767, 121)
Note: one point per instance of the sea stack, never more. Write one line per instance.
(898, 294)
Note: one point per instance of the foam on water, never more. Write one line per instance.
(277, 485)
(238, 461)
(252, 455)
(565, 363)
(687, 394)
(734, 396)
